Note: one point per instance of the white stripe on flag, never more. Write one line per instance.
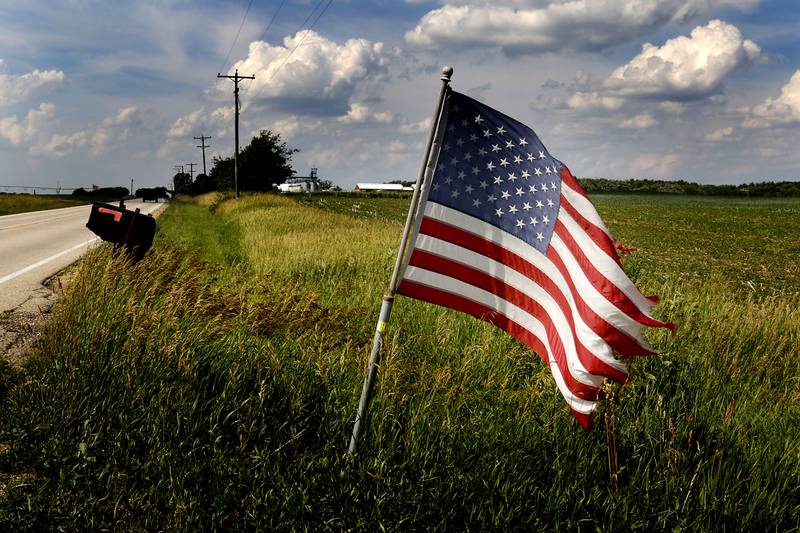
(594, 299)
(584, 207)
(604, 264)
(506, 309)
(588, 338)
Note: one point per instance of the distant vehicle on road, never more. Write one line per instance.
(152, 194)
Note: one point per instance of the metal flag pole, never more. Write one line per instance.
(388, 298)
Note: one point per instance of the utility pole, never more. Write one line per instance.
(191, 170)
(132, 187)
(236, 79)
(203, 145)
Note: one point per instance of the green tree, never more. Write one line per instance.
(203, 183)
(221, 175)
(262, 163)
(182, 183)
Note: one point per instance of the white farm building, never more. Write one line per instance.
(302, 184)
(299, 185)
(381, 187)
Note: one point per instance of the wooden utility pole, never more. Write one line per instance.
(191, 170)
(203, 145)
(236, 79)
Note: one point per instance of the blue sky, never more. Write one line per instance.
(102, 92)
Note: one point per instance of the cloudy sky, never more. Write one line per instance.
(99, 92)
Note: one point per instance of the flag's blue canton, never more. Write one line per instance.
(496, 169)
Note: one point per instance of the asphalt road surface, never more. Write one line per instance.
(37, 245)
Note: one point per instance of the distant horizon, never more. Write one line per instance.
(705, 88)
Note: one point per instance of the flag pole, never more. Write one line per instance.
(388, 298)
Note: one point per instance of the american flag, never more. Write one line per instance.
(505, 233)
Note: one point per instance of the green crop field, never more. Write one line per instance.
(213, 385)
(23, 203)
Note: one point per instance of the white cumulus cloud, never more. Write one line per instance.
(720, 134)
(639, 122)
(781, 111)
(188, 124)
(15, 89)
(94, 140)
(584, 101)
(685, 68)
(17, 131)
(529, 26)
(126, 117)
(656, 164)
(201, 121)
(309, 74)
(360, 114)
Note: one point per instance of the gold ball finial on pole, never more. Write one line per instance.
(447, 72)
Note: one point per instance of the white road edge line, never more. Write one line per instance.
(44, 261)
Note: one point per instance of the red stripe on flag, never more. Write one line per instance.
(478, 310)
(605, 286)
(569, 179)
(477, 278)
(583, 419)
(617, 339)
(600, 237)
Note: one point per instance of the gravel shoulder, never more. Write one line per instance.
(20, 326)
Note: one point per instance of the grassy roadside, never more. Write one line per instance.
(22, 203)
(11, 204)
(212, 387)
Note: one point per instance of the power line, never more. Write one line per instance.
(264, 33)
(296, 31)
(272, 20)
(303, 38)
(235, 39)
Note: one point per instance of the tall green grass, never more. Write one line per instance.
(214, 389)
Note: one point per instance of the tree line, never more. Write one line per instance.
(771, 189)
(102, 192)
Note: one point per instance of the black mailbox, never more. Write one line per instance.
(123, 227)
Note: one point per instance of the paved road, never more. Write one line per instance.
(34, 246)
